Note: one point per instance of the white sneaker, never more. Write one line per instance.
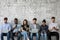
(27, 38)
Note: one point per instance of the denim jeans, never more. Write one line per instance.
(43, 36)
(24, 34)
(5, 34)
(12, 35)
(31, 36)
(19, 35)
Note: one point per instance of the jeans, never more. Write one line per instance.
(43, 36)
(31, 36)
(24, 34)
(19, 35)
(13, 34)
(5, 34)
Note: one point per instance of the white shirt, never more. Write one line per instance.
(5, 28)
(17, 28)
(51, 25)
(34, 26)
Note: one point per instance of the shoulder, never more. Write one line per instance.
(47, 25)
(40, 26)
(50, 24)
(28, 25)
(0, 26)
(37, 24)
(56, 23)
(9, 24)
(31, 24)
(19, 24)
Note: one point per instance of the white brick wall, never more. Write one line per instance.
(41, 9)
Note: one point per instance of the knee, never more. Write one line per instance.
(19, 35)
(31, 34)
(37, 34)
(8, 34)
(41, 34)
(1, 34)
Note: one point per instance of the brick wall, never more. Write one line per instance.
(41, 9)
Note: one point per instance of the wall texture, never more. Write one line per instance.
(28, 9)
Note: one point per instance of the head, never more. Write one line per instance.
(44, 22)
(5, 20)
(53, 19)
(34, 20)
(16, 21)
(25, 22)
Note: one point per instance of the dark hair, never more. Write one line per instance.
(34, 18)
(52, 17)
(44, 21)
(5, 18)
(26, 21)
(16, 19)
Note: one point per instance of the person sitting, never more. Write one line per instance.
(24, 30)
(34, 29)
(15, 28)
(5, 28)
(53, 28)
(43, 30)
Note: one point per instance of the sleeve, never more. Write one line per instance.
(19, 28)
(57, 26)
(30, 26)
(49, 27)
(40, 29)
(1, 28)
(10, 27)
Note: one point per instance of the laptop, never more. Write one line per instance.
(34, 31)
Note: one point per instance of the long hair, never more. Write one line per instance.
(26, 22)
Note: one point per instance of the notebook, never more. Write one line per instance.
(34, 31)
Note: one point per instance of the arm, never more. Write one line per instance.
(40, 29)
(1, 28)
(47, 30)
(56, 28)
(50, 28)
(10, 27)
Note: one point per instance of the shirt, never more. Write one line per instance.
(44, 28)
(6, 27)
(17, 28)
(25, 27)
(51, 25)
(34, 28)
(34, 25)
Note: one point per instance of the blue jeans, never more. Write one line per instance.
(5, 34)
(43, 36)
(19, 35)
(31, 36)
(24, 34)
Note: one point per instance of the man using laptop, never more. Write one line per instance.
(34, 29)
